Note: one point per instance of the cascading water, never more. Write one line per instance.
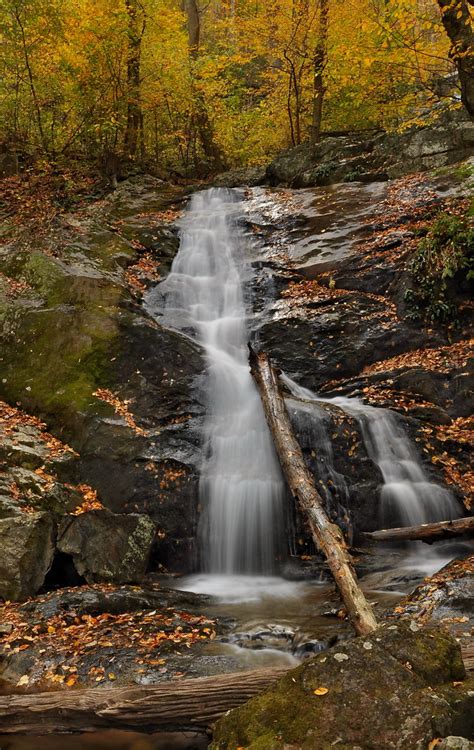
(408, 497)
(241, 488)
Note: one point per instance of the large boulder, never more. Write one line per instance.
(27, 545)
(348, 158)
(108, 547)
(372, 692)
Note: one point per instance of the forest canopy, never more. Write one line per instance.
(198, 86)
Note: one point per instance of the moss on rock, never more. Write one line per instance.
(370, 693)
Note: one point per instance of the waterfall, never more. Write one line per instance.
(408, 496)
(241, 488)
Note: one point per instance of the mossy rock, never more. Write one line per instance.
(374, 692)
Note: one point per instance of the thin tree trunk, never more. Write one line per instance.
(427, 532)
(173, 705)
(204, 127)
(327, 536)
(319, 65)
(31, 80)
(457, 22)
(134, 131)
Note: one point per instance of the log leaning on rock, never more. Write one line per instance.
(174, 705)
(327, 535)
(426, 532)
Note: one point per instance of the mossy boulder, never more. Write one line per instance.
(108, 547)
(371, 693)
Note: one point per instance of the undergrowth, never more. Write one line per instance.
(441, 267)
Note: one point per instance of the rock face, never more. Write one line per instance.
(107, 547)
(349, 158)
(380, 691)
(105, 258)
(27, 549)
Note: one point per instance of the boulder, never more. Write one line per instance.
(249, 176)
(108, 547)
(455, 743)
(27, 549)
(354, 157)
(372, 692)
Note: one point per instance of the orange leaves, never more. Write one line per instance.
(443, 359)
(145, 269)
(70, 639)
(170, 476)
(309, 291)
(12, 419)
(120, 407)
(91, 501)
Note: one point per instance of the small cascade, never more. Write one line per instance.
(241, 488)
(408, 496)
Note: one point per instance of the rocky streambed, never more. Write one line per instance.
(102, 416)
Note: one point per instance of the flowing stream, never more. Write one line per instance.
(243, 520)
(241, 488)
(408, 496)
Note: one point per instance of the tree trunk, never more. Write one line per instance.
(319, 65)
(427, 532)
(134, 130)
(327, 536)
(201, 117)
(458, 25)
(174, 705)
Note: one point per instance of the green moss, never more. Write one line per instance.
(443, 261)
(56, 348)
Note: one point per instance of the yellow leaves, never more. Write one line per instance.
(23, 681)
(321, 691)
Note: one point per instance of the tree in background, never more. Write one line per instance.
(191, 88)
(457, 18)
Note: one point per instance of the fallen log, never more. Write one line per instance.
(327, 535)
(426, 532)
(174, 705)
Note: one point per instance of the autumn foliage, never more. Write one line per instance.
(185, 85)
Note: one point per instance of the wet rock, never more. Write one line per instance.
(117, 344)
(106, 546)
(101, 634)
(27, 549)
(96, 600)
(360, 692)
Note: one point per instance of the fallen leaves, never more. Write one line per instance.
(13, 419)
(91, 501)
(68, 640)
(321, 691)
(120, 407)
(444, 359)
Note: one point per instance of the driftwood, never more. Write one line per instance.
(427, 532)
(327, 535)
(175, 705)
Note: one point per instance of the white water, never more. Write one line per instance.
(408, 496)
(241, 488)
